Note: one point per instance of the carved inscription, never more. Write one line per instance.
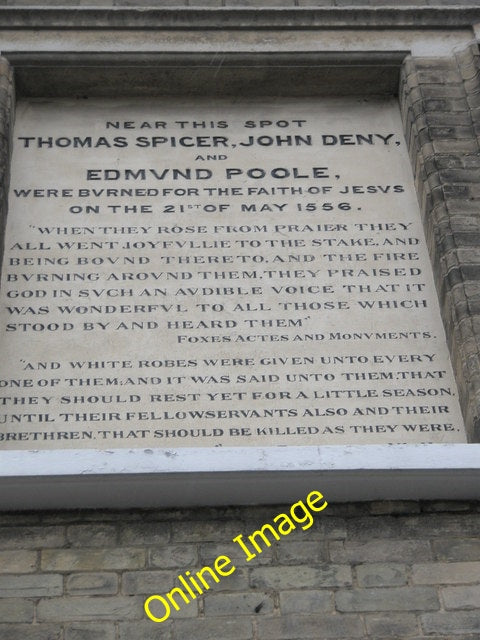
(244, 272)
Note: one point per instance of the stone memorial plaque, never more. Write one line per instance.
(206, 273)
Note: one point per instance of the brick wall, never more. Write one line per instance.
(440, 103)
(376, 570)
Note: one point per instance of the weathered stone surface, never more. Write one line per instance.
(90, 631)
(294, 552)
(391, 625)
(83, 608)
(457, 549)
(144, 533)
(209, 532)
(92, 584)
(369, 168)
(16, 610)
(381, 575)
(83, 535)
(208, 629)
(238, 604)
(391, 599)
(380, 550)
(327, 575)
(147, 582)
(145, 630)
(299, 627)
(462, 597)
(169, 556)
(452, 622)
(31, 585)
(92, 559)
(31, 537)
(31, 632)
(306, 601)
(22, 561)
(421, 94)
(446, 573)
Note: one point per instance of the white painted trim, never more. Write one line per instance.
(122, 478)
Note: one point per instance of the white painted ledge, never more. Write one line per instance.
(121, 478)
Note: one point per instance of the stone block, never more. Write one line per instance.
(453, 132)
(211, 550)
(238, 604)
(147, 582)
(455, 549)
(31, 632)
(460, 175)
(90, 631)
(449, 105)
(434, 91)
(143, 3)
(380, 574)
(332, 528)
(31, 537)
(381, 551)
(462, 597)
(183, 555)
(446, 161)
(92, 559)
(259, 3)
(145, 533)
(393, 507)
(392, 625)
(48, 3)
(443, 525)
(470, 161)
(213, 531)
(208, 629)
(16, 610)
(449, 119)
(18, 562)
(294, 552)
(306, 601)
(446, 573)
(302, 627)
(83, 608)
(31, 585)
(91, 535)
(92, 584)
(454, 623)
(290, 577)
(237, 581)
(463, 146)
(370, 527)
(145, 630)
(185, 609)
(391, 599)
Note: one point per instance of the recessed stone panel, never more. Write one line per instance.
(218, 273)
